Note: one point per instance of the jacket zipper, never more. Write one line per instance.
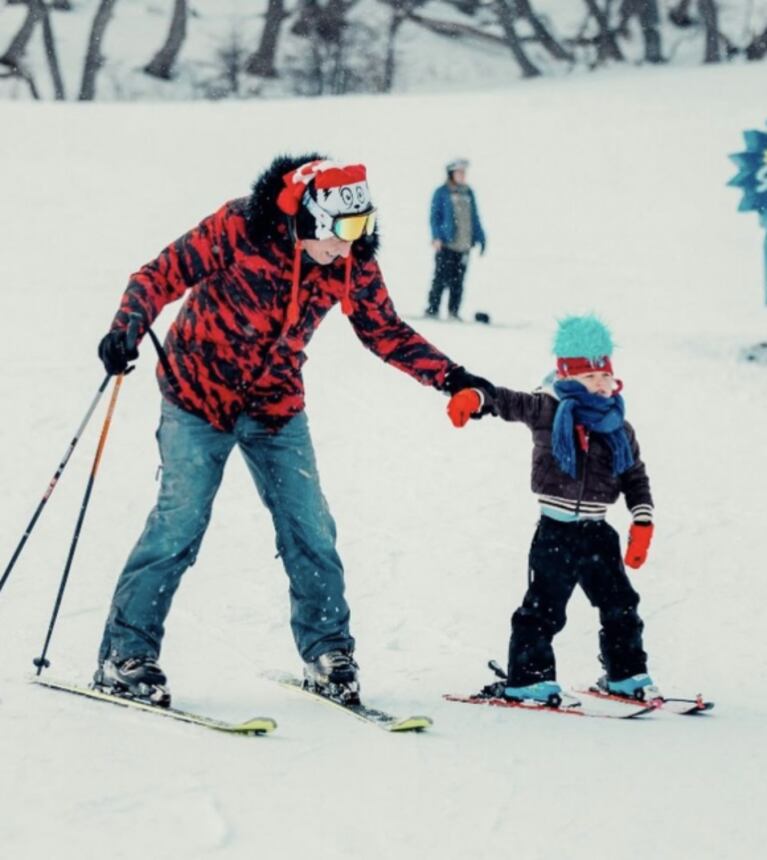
(585, 447)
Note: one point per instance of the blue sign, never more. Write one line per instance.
(752, 172)
(752, 179)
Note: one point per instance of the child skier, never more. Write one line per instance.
(584, 456)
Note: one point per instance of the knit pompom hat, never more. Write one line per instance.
(315, 194)
(582, 344)
(320, 191)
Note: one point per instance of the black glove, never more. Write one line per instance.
(459, 378)
(117, 348)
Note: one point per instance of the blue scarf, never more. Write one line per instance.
(596, 413)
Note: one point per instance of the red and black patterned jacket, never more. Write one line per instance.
(229, 347)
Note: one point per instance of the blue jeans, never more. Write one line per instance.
(282, 464)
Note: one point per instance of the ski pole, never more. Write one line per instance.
(41, 661)
(52, 484)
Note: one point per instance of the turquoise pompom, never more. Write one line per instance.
(585, 337)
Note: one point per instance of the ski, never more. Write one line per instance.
(255, 726)
(485, 322)
(626, 712)
(373, 716)
(680, 706)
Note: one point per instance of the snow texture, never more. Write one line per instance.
(604, 194)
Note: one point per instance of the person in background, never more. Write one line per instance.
(455, 230)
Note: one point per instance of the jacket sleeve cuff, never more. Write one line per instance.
(642, 513)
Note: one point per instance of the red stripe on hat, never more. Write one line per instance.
(575, 365)
(333, 177)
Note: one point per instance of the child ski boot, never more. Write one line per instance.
(543, 693)
(638, 687)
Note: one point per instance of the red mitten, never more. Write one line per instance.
(640, 535)
(463, 405)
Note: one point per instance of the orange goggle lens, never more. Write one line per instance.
(349, 228)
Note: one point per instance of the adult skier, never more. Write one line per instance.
(259, 276)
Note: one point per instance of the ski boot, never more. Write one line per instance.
(133, 678)
(334, 675)
(638, 687)
(543, 693)
(547, 693)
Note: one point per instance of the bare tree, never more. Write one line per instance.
(231, 57)
(51, 56)
(455, 29)
(400, 10)
(506, 16)
(262, 61)
(404, 10)
(15, 51)
(646, 11)
(541, 32)
(341, 55)
(710, 17)
(161, 65)
(37, 11)
(93, 58)
(508, 13)
(605, 41)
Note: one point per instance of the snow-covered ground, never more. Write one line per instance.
(603, 194)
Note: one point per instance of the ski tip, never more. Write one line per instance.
(412, 724)
(256, 726)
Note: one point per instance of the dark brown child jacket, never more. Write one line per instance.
(594, 481)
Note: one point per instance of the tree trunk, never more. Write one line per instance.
(506, 17)
(93, 58)
(50, 49)
(710, 17)
(262, 61)
(15, 51)
(605, 41)
(649, 18)
(397, 19)
(161, 65)
(542, 34)
(649, 21)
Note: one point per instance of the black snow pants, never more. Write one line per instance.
(562, 556)
(449, 272)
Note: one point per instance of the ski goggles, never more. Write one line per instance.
(349, 228)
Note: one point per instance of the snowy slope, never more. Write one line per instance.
(605, 194)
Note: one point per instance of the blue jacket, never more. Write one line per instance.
(442, 222)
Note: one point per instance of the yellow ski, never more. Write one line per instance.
(254, 726)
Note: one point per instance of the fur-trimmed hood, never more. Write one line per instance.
(266, 221)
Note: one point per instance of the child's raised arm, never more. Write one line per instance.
(503, 402)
